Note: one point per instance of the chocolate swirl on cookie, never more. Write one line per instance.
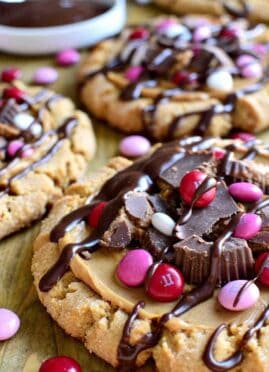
(179, 64)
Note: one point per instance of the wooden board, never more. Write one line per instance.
(39, 337)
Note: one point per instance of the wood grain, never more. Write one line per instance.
(39, 337)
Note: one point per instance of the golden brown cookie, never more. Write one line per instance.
(170, 78)
(45, 145)
(255, 10)
(99, 222)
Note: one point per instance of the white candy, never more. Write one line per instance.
(36, 130)
(23, 120)
(163, 223)
(220, 80)
(176, 30)
(3, 142)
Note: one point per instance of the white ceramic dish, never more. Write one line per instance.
(46, 40)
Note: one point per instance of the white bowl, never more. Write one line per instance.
(45, 40)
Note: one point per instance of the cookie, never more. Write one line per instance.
(131, 265)
(171, 78)
(255, 10)
(45, 145)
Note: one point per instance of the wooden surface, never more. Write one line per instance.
(39, 337)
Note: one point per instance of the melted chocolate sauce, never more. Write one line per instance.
(39, 13)
(237, 357)
(238, 12)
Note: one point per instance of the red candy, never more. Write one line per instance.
(10, 74)
(95, 214)
(264, 277)
(165, 284)
(60, 364)
(184, 78)
(190, 183)
(229, 33)
(139, 33)
(13, 92)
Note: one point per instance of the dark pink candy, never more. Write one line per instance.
(248, 226)
(10, 74)
(245, 192)
(243, 136)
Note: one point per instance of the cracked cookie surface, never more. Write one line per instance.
(90, 304)
(175, 77)
(45, 145)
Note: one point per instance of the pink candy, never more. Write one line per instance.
(14, 147)
(45, 75)
(248, 226)
(9, 324)
(245, 59)
(243, 136)
(164, 24)
(247, 299)
(68, 57)
(133, 73)
(201, 33)
(27, 153)
(253, 70)
(218, 153)
(134, 146)
(133, 267)
(245, 192)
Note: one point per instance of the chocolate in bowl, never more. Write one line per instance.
(40, 13)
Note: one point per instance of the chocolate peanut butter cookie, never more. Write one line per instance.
(171, 78)
(45, 144)
(161, 259)
(255, 10)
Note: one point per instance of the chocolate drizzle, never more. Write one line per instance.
(159, 53)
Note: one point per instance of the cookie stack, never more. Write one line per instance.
(163, 257)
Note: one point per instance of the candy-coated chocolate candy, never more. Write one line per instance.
(245, 59)
(133, 73)
(220, 80)
(45, 75)
(139, 33)
(9, 324)
(60, 364)
(67, 57)
(218, 153)
(245, 192)
(177, 30)
(202, 33)
(3, 142)
(254, 70)
(230, 32)
(13, 147)
(163, 223)
(96, 213)
(247, 299)
(23, 120)
(249, 225)
(14, 92)
(184, 78)
(36, 129)
(27, 153)
(243, 136)
(10, 74)
(134, 146)
(165, 284)
(264, 276)
(165, 24)
(133, 267)
(260, 49)
(190, 183)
